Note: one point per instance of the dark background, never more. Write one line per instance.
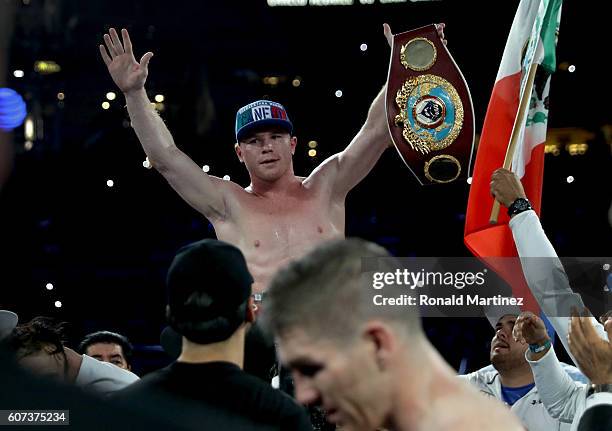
(106, 250)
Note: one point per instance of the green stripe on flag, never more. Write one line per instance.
(550, 28)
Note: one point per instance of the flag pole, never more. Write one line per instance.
(518, 123)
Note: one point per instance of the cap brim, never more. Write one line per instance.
(172, 342)
(262, 124)
(8, 322)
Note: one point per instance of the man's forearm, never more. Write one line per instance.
(151, 130)
(377, 120)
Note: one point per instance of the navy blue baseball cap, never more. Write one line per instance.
(261, 113)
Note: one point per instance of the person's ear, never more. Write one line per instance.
(251, 312)
(383, 341)
(238, 152)
(293, 143)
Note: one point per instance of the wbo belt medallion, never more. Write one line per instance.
(429, 108)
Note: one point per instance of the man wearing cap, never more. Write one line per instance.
(210, 305)
(279, 216)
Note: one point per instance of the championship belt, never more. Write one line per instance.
(429, 108)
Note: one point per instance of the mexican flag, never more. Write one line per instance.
(532, 39)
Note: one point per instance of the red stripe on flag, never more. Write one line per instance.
(481, 238)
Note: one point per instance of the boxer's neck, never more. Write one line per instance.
(281, 186)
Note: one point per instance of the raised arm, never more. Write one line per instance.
(561, 396)
(351, 165)
(541, 266)
(201, 191)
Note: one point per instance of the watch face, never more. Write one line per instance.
(522, 205)
(518, 206)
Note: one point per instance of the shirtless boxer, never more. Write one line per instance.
(280, 216)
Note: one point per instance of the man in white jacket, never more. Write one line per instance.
(510, 379)
(564, 399)
(569, 401)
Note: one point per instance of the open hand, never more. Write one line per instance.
(593, 354)
(122, 66)
(529, 329)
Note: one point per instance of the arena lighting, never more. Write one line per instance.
(312, 153)
(18, 73)
(28, 128)
(271, 80)
(206, 168)
(338, 93)
(49, 286)
(61, 96)
(46, 67)
(28, 145)
(159, 98)
(571, 68)
(312, 144)
(110, 183)
(105, 105)
(226, 177)
(12, 109)
(570, 179)
(111, 95)
(58, 304)
(606, 266)
(297, 81)
(146, 164)
(469, 180)
(363, 47)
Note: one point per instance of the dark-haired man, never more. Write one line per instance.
(38, 345)
(210, 305)
(109, 347)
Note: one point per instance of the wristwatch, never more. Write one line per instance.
(594, 389)
(518, 206)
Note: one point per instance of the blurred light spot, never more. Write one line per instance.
(28, 145)
(105, 105)
(338, 93)
(58, 304)
(363, 47)
(49, 286)
(571, 68)
(110, 183)
(60, 96)
(18, 73)
(28, 128)
(159, 98)
(146, 164)
(312, 153)
(206, 168)
(570, 179)
(46, 67)
(469, 180)
(111, 95)
(312, 144)
(226, 177)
